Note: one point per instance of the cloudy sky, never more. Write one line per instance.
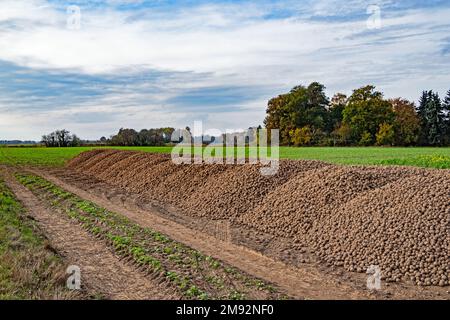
(95, 66)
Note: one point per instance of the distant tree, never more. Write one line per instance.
(74, 141)
(407, 122)
(301, 136)
(423, 100)
(366, 139)
(125, 137)
(309, 106)
(276, 114)
(46, 140)
(335, 110)
(385, 135)
(446, 109)
(302, 106)
(421, 109)
(305, 116)
(342, 135)
(129, 137)
(435, 118)
(365, 111)
(432, 116)
(145, 137)
(63, 137)
(60, 138)
(167, 134)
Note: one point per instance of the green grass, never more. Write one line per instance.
(422, 157)
(417, 156)
(53, 156)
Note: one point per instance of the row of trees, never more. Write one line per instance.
(61, 138)
(125, 137)
(306, 116)
(145, 137)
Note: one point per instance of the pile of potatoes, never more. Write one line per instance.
(209, 190)
(394, 218)
(239, 189)
(312, 195)
(403, 227)
(353, 217)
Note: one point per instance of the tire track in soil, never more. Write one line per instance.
(101, 271)
(300, 283)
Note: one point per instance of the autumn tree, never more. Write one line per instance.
(407, 122)
(305, 116)
(301, 136)
(385, 135)
(276, 115)
(342, 135)
(302, 106)
(312, 109)
(365, 111)
(335, 110)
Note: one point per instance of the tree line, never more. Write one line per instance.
(125, 137)
(145, 137)
(61, 138)
(306, 117)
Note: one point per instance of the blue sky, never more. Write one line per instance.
(142, 64)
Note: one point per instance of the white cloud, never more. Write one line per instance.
(234, 45)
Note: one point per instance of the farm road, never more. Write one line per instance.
(101, 271)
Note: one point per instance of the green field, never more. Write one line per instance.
(422, 157)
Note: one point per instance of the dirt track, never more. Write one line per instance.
(101, 271)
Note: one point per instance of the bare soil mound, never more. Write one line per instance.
(396, 218)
